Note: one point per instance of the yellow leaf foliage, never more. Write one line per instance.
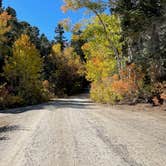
(23, 69)
(4, 28)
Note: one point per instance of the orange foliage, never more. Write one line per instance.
(163, 96)
(130, 81)
(96, 60)
(160, 89)
(113, 89)
(115, 77)
(121, 87)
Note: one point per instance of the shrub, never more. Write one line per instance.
(102, 92)
(158, 93)
(117, 88)
(8, 100)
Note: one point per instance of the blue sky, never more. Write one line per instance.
(43, 14)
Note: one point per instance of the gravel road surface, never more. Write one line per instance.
(77, 132)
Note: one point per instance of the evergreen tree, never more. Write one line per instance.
(11, 11)
(77, 44)
(143, 31)
(45, 46)
(59, 37)
(4, 48)
(1, 4)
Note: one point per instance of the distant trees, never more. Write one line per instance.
(32, 68)
(66, 71)
(11, 12)
(0, 3)
(4, 50)
(59, 36)
(77, 42)
(45, 45)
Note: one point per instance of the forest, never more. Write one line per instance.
(119, 51)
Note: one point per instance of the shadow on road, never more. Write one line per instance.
(72, 103)
(4, 138)
(80, 102)
(5, 129)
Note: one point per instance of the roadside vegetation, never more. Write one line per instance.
(32, 68)
(120, 50)
(125, 49)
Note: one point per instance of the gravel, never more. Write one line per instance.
(77, 132)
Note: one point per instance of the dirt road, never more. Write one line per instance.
(77, 132)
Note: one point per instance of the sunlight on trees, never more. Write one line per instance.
(4, 27)
(120, 49)
(23, 70)
(67, 77)
(117, 45)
